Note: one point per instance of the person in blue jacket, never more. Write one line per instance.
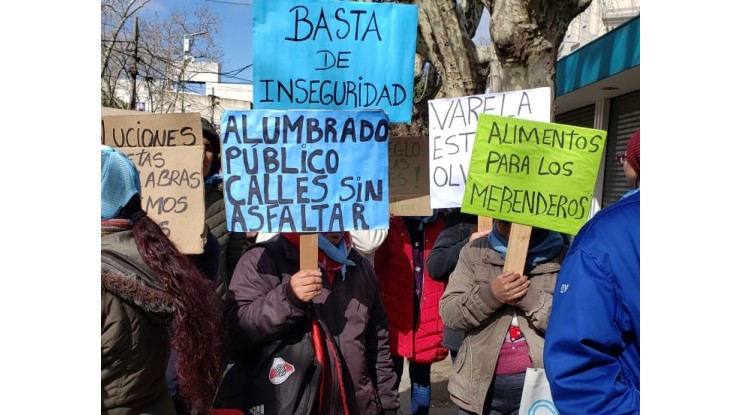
(592, 345)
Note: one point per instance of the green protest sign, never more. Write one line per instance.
(533, 173)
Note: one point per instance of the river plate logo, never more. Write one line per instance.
(280, 371)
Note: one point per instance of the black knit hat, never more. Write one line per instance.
(208, 131)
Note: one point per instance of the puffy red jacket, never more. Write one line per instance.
(394, 267)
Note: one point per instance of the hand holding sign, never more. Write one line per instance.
(306, 284)
(479, 234)
(509, 287)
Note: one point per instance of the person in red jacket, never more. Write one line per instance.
(411, 299)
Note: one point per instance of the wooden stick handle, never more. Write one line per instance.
(485, 223)
(516, 251)
(309, 251)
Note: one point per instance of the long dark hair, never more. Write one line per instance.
(198, 335)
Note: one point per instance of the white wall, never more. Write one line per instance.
(243, 92)
(203, 72)
(227, 96)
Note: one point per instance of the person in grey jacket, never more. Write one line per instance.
(504, 316)
(460, 228)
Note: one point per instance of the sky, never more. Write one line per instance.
(235, 17)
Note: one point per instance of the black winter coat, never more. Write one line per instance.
(260, 307)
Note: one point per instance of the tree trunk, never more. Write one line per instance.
(526, 36)
(444, 39)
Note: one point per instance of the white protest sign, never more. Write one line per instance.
(452, 126)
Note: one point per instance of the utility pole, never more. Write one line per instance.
(213, 104)
(188, 41)
(133, 70)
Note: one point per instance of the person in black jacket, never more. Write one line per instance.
(460, 228)
(211, 261)
(270, 298)
(231, 244)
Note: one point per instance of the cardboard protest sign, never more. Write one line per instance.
(168, 151)
(334, 55)
(305, 171)
(152, 130)
(409, 176)
(533, 173)
(452, 127)
(118, 111)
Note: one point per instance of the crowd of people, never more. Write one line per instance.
(243, 328)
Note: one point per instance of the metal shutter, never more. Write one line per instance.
(581, 117)
(624, 119)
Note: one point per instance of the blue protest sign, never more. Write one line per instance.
(305, 170)
(334, 55)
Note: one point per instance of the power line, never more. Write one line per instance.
(151, 59)
(235, 72)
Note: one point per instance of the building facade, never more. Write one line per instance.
(598, 86)
(200, 91)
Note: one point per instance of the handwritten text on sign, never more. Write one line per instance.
(305, 171)
(334, 55)
(409, 176)
(452, 126)
(172, 187)
(167, 149)
(533, 173)
(151, 130)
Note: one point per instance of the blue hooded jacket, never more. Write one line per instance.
(592, 344)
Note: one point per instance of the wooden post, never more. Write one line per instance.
(485, 223)
(516, 251)
(309, 251)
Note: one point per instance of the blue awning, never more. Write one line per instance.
(606, 56)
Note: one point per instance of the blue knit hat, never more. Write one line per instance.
(119, 181)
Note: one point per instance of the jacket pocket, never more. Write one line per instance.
(459, 383)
